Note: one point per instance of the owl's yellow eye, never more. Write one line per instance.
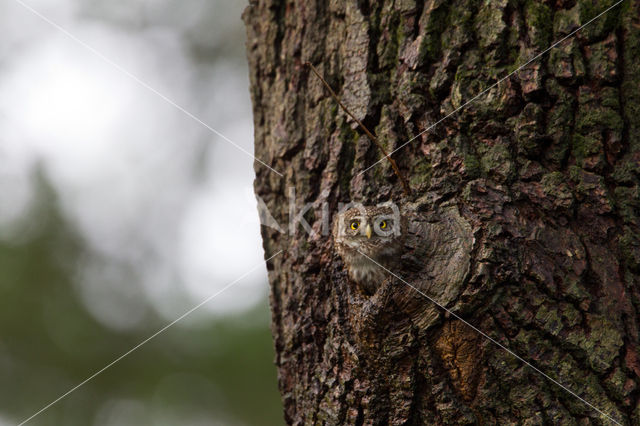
(383, 224)
(355, 224)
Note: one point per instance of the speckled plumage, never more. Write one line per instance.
(382, 245)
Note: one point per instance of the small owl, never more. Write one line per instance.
(376, 232)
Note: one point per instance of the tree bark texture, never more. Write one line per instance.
(531, 193)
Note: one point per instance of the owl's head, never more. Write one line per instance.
(369, 228)
(368, 237)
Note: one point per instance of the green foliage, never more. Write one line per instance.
(221, 370)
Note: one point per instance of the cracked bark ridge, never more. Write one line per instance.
(540, 178)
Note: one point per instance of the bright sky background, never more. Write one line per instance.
(165, 205)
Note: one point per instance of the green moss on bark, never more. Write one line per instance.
(539, 20)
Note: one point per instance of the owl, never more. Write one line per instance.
(364, 235)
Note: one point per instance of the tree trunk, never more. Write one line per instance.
(530, 193)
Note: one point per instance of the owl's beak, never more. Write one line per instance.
(368, 231)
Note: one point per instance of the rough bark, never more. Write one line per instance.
(541, 173)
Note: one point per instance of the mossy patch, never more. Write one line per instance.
(594, 122)
(554, 185)
(626, 171)
(554, 318)
(539, 21)
(599, 28)
(467, 78)
(472, 166)
(410, 92)
(631, 73)
(528, 129)
(601, 345)
(566, 62)
(586, 146)
(565, 22)
(390, 40)
(490, 25)
(559, 122)
(551, 181)
(603, 60)
(420, 173)
(598, 119)
(628, 203)
(616, 384)
(459, 30)
(434, 21)
(496, 161)
(629, 244)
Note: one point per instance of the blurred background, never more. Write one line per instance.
(118, 213)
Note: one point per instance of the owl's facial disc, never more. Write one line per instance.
(359, 227)
(382, 227)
